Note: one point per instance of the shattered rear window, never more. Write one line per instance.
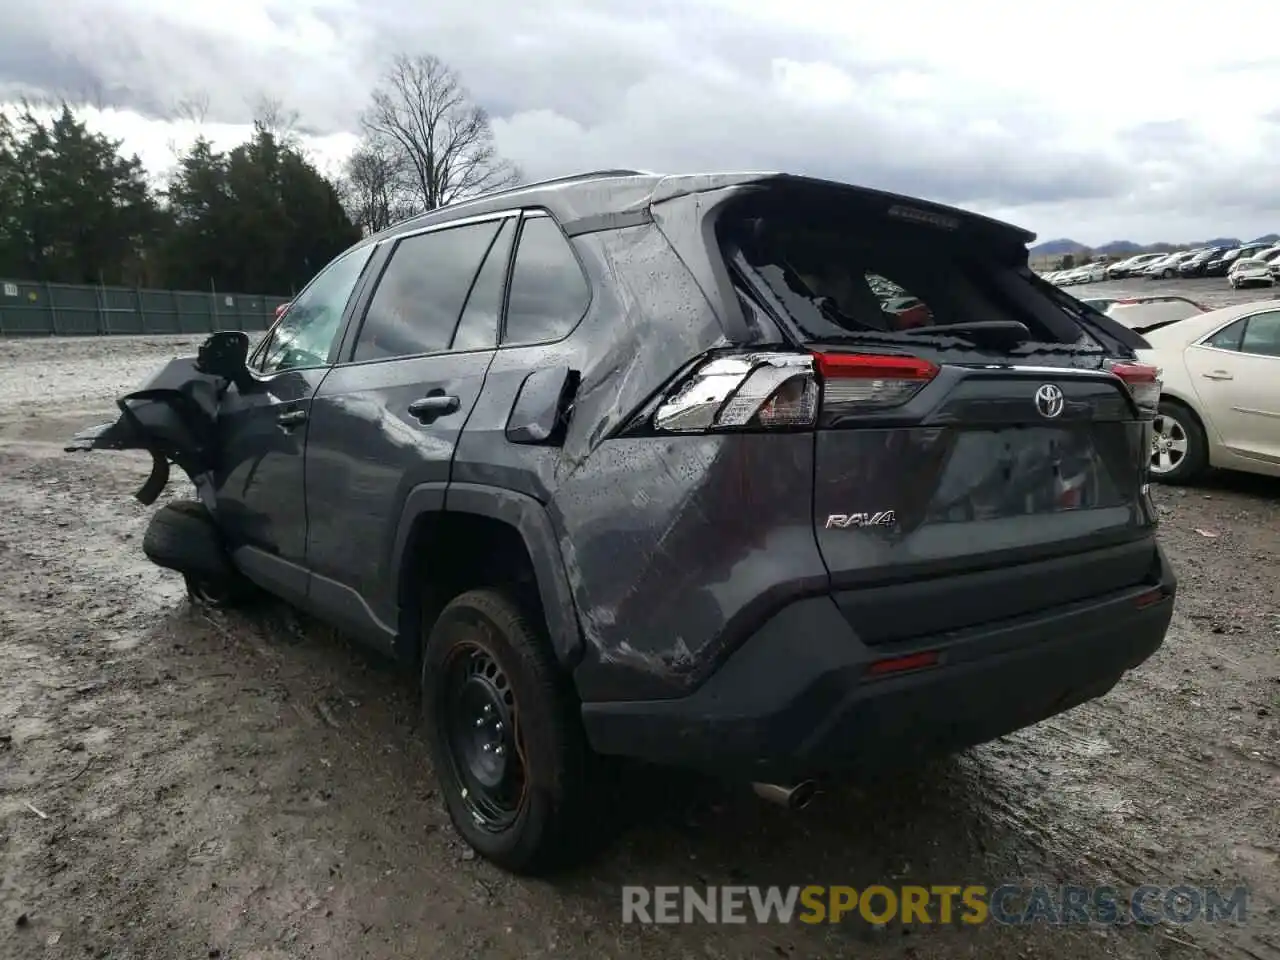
(843, 279)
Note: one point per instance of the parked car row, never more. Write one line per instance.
(1089, 273)
(1253, 264)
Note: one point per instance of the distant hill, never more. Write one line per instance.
(1057, 248)
(1127, 248)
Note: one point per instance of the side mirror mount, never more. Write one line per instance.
(226, 355)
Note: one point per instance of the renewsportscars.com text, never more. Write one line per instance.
(1009, 904)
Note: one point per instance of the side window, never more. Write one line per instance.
(478, 326)
(307, 331)
(1228, 338)
(1262, 335)
(549, 294)
(419, 299)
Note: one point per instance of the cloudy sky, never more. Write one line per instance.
(1094, 120)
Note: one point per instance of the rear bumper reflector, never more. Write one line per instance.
(903, 664)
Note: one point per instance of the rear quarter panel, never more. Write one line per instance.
(669, 544)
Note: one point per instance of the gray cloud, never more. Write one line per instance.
(665, 85)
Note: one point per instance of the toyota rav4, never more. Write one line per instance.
(774, 478)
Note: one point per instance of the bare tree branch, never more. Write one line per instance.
(271, 115)
(373, 187)
(425, 116)
(193, 108)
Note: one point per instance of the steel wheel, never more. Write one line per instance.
(480, 720)
(1169, 445)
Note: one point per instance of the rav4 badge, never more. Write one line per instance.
(842, 521)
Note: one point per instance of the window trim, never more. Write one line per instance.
(1246, 353)
(346, 357)
(1203, 343)
(344, 322)
(538, 213)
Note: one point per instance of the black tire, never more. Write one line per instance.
(183, 537)
(1173, 419)
(483, 652)
(1167, 274)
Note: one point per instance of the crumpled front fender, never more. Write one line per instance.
(173, 417)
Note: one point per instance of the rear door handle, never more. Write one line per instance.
(428, 409)
(291, 418)
(1217, 375)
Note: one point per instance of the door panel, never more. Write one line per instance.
(262, 429)
(259, 480)
(383, 426)
(1240, 388)
(366, 451)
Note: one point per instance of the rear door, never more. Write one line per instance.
(1237, 374)
(969, 470)
(388, 417)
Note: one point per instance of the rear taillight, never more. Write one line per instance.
(745, 391)
(1143, 381)
(783, 390)
(857, 382)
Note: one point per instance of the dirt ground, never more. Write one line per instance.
(175, 784)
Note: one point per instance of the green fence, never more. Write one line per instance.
(58, 309)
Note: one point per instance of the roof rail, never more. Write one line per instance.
(552, 181)
(570, 178)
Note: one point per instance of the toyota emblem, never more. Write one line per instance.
(1049, 401)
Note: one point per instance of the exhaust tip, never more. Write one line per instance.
(793, 797)
(802, 794)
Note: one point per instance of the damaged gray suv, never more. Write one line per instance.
(774, 478)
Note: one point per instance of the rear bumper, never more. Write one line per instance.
(797, 701)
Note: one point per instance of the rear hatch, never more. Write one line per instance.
(978, 458)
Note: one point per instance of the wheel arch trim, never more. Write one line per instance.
(531, 521)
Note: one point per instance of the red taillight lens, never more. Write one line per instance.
(1132, 373)
(1143, 381)
(857, 382)
(865, 366)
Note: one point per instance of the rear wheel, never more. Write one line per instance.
(1179, 452)
(506, 736)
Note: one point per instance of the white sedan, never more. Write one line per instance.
(1220, 401)
(1248, 271)
(1093, 273)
